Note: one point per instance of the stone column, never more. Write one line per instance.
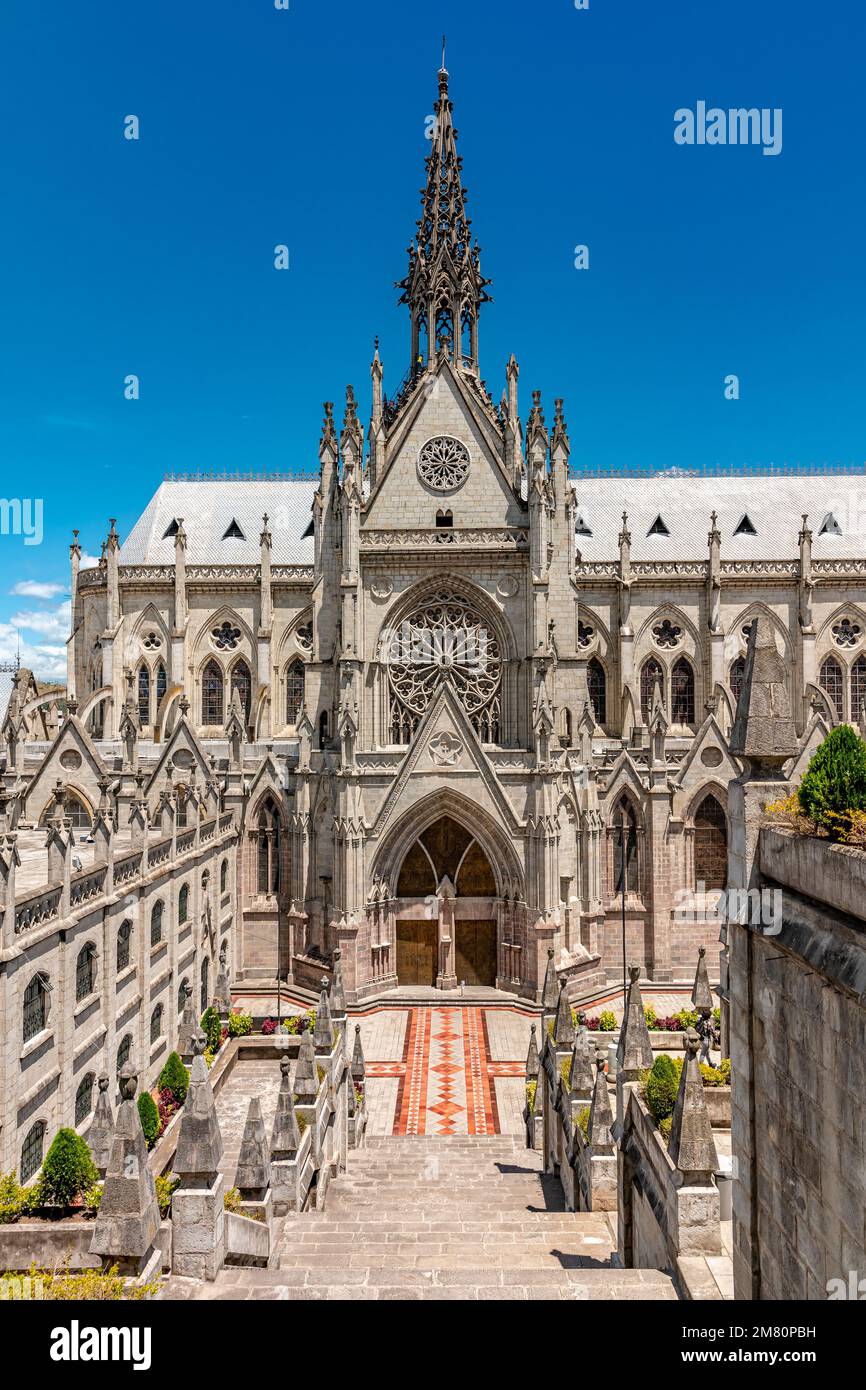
(198, 1213)
(100, 1136)
(127, 1224)
(285, 1140)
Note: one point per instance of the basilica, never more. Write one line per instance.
(453, 705)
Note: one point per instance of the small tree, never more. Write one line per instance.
(661, 1088)
(834, 785)
(174, 1077)
(149, 1116)
(212, 1028)
(68, 1170)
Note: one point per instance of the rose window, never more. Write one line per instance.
(226, 637)
(446, 639)
(667, 634)
(304, 637)
(151, 641)
(585, 634)
(846, 633)
(443, 463)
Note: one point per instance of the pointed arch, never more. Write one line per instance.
(478, 824)
(832, 683)
(710, 842)
(142, 686)
(240, 680)
(212, 694)
(858, 690)
(651, 674)
(295, 687)
(682, 692)
(596, 685)
(623, 823)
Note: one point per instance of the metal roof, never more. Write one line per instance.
(208, 509)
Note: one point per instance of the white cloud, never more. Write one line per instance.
(88, 562)
(52, 623)
(47, 662)
(32, 588)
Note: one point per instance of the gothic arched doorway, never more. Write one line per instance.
(446, 921)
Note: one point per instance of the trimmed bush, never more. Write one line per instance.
(607, 1021)
(149, 1116)
(15, 1200)
(68, 1170)
(174, 1077)
(650, 1015)
(165, 1185)
(212, 1028)
(660, 1089)
(834, 785)
(240, 1025)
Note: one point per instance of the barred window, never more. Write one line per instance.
(124, 936)
(650, 676)
(624, 849)
(596, 684)
(183, 904)
(35, 1007)
(268, 848)
(831, 680)
(84, 1098)
(156, 1024)
(682, 693)
(156, 924)
(212, 694)
(161, 685)
(143, 695)
(858, 689)
(123, 1052)
(295, 682)
(85, 972)
(736, 677)
(32, 1151)
(711, 846)
(224, 875)
(205, 976)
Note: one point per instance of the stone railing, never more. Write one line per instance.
(38, 909)
(88, 885)
(492, 538)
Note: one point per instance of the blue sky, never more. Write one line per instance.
(306, 127)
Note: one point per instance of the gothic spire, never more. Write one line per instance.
(444, 287)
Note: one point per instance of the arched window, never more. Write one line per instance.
(596, 684)
(565, 728)
(323, 728)
(183, 904)
(831, 680)
(651, 675)
(143, 695)
(205, 973)
(74, 810)
(624, 849)
(123, 1052)
(224, 875)
(268, 848)
(295, 681)
(682, 693)
(181, 994)
(161, 687)
(85, 972)
(156, 924)
(156, 1024)
(32, 1151)
(35, 1006)
(212, 694)
(736, 676)
(711, 846)
(858, 689)
(124, 936)
(84, 1098)
(242, 683)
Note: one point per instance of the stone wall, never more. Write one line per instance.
(798, 1044)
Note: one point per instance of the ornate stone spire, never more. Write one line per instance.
(253, 1174)
(532, 1060)
(763, 728)
(702, 995)
(692, 1146)
(634, 1051)
(444, 287)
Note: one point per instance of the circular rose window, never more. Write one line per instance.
(443, 463)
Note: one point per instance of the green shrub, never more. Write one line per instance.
(665, 1127)
(232, 1199)
(565, 1070)
(60, 1285)
(650, 1015)
(148, 1113)
(68, 1170)
(240, 1025)
(717, 1017)
(686, 1018)
(607, 1021)
(834, 785)
(717, 1076)
(15, 1200)
(660, 1089)
(92, 1199)
(531, 1087)
(174, 1077)
(209, 1057)
(583, 1121)
(165, 1186)
(212, 1028)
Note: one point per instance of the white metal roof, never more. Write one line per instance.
(774, 506)
(208, 508)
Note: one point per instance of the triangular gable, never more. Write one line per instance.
(816, 731)
(709, 735)
(624, 773)
(445, 377)
(444, 742)
(268, 776)
(181, 737)
(72, 737)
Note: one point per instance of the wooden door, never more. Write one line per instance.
(476, 952)
(416, 953)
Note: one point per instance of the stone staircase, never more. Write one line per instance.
(441, 1218)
